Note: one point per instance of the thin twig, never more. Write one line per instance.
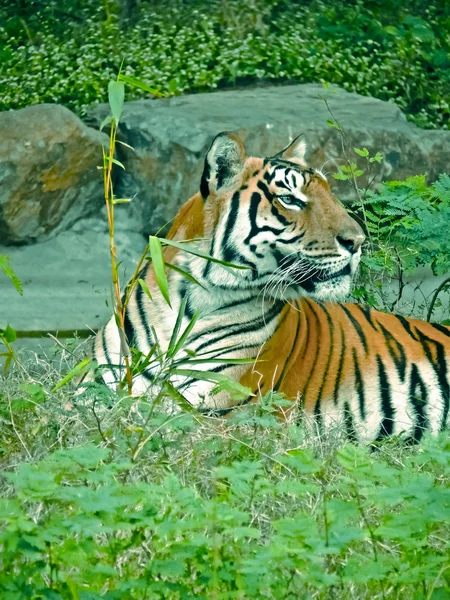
(435, 297)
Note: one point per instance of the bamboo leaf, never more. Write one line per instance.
(116, 96)
(224, 381)
(158, 266)
(115, 161)
(177, 327)
(81, 367)
(121, 200)
(140, 84)
(185, 274)
(144, 286)
(185, 334)
(106, 121)
(187, 247)
(178, 396)
(124, 144)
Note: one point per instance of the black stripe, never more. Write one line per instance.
(107, 355)
(440, 368)
(280, 218)
(441, 328)
(231, 222)
(339, 371)
(357, 325)
(408, 327)
(366, 311)
(129, 329)
(396, 352)
(252, 214)
(316, 355)
(265, 190)
(359, 385)
(207, 267)
(418, 396)
(330, 353)
(349, 423)
(292, 239)
(237, 328)
(387, 423)
(278, 383)
(143, 317)
(204, 183)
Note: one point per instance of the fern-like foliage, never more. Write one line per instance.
(412, 220)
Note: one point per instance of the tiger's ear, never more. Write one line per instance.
(296, 149)
(223, 164)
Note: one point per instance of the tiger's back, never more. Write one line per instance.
(379, 374)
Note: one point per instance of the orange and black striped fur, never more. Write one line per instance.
(378, 374)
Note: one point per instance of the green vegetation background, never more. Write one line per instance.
(67, 50)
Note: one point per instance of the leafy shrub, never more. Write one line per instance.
(408, 224)
(375, 48)
(243, 509)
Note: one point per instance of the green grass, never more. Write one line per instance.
(104, 497)
(67, 51)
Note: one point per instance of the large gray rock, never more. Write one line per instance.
(67, 279)
(48, 172)
(170, 138)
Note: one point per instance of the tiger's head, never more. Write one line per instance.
(277, 217)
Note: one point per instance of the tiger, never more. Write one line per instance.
(298, 250)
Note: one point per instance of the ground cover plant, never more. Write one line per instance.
(67, 51)
(246, 508)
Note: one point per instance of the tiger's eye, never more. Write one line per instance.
(287, 199)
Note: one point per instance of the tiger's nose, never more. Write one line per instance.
(351, 242)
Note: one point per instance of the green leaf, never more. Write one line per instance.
(341, 176)
(377, 158)
(225, 382)
(180, 343)
(178, 396)
(158, 266)
(187, 247)
(81, 367)
(140, 84)
(6, 268)
(106, 121)
(122, 200)
(34, 391)
(115, 161)
(144, 286)
(364, 152)
(176, 330)
(333, 124)
(8, 334)
(116, 96)
(185, 274)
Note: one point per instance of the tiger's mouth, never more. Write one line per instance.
(311, 275)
